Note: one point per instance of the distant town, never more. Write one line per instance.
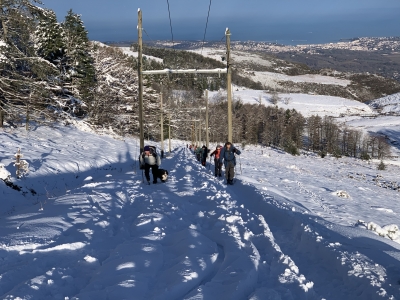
(375, 55)
(382, 44)
(385, 44)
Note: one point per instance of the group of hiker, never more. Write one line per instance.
(225, 155)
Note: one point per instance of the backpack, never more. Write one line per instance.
(149, 150)
(217, 152)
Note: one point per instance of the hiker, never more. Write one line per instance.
(204, 155)
(227, 156)
(218, 165)
(150, 159)
(198, 153)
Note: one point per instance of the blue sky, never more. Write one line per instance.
(285, 21)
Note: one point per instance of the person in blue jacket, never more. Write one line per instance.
(227, 156)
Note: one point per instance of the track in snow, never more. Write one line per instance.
(190, 238)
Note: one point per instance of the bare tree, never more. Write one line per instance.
(275, 98)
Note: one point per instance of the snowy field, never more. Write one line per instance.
(352, 113)
(84, 226)
(273, 79)
(128, 51)
(306, 104)
(269, 79)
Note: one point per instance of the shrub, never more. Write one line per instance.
(382, 166)
(337, 153)
(292, 149)
(365, 156)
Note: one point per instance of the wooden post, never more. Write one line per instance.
(228, 82)
(169, 133)
(162, 124)
(192, 134)
(27, 118)
(207, 137)
(200, 130)
(140, 76)
(195, 133)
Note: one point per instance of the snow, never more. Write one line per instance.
(4, 174)
(100, 44)
(388, 126)
(3, 58)
(128, 51)
(84, 226)
(271, 79)
(388, 104)
(306, 104)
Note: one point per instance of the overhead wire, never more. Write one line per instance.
(205, 30)
(170, 25)
(148, 35)
(172, 33)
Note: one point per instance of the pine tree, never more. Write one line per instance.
(82, 71)
(49, 38)
(22, 71)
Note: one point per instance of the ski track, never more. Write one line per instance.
(206, 241)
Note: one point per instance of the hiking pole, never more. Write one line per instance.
(240, 164)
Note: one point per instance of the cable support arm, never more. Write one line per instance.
(186, 71)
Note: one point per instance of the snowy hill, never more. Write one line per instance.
(387, 105)
(286, 76)
(84, 226)
(306, 104)
(128, 51)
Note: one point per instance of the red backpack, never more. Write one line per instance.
(217, 152)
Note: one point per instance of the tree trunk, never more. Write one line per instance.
(1, 117)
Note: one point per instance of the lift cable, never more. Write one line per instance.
(170, 25)
(205, 31)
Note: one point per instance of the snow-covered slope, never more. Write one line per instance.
(388, 104)
(84, 226)
(271, 79)
(306, 104)
(128, 51)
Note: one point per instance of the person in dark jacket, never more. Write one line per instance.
(198, 151)
(218, 165)
(204, 155)
(227, 156)
(150, 159)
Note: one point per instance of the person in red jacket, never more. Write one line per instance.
(218, 164)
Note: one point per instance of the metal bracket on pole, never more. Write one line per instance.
(185, 71)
